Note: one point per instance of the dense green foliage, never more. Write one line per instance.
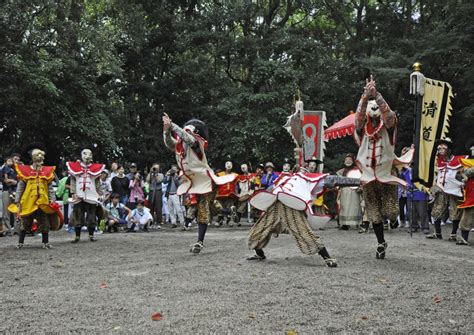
(100, 73)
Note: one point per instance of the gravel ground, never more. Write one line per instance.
(117, 283)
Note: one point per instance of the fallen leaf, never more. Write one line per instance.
(437, 299)
(364, 317)
(103, 284)
(157, 316)
(58, 265)
(451, 321)
(384, 280)
(117, 328)
(291, 332)
(251, 316)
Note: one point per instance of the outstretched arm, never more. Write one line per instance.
(360, 118)
(169, 127)
(187, 138)
(388, 116)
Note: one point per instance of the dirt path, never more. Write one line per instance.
(117, 283)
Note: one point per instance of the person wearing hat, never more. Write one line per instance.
(447, 191)
(86, 194)
(269, 177)
(286, 168)
(34, 197)
(349, 199)
(133, 171)
(189, 144)
(313, 163)
(467, 219)
(375, 134)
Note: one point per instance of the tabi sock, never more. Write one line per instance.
(260, 252)
(324, 253)
(378, 230)
(455, 227)
(465, 234)
(202, 228)
(22, 237)
(437, 225)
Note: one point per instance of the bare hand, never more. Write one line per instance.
(166, 122)
(370, 89)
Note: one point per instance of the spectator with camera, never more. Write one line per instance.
(173, 200)
(136, 190)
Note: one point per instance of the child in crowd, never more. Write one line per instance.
(116, 214)
(140, 218)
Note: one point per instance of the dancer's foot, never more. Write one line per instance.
(462, 241)
(47, 246)
(380, 253)
(331, 262)
(76, 239)
(434, 236)
(452, 238)
(19, 246)
(394, 225)
(92, 238)
(196, 247)
(256, 258)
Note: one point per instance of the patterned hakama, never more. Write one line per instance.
(282, 219)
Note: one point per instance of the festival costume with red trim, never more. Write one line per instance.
(288, 208)
(376, 155)
(349, 200)
(36, 197)
(375, 159)
(227, 190)
(296, 191)
(447, 170)
(244, 182)
(467, 219)
(245, 188)
(198, 177)
(85, 179)
(85, 185)
(468, 165)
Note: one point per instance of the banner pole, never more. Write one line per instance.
(417, 84)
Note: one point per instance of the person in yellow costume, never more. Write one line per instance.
(34, 196)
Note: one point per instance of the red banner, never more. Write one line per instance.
(313, 132)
